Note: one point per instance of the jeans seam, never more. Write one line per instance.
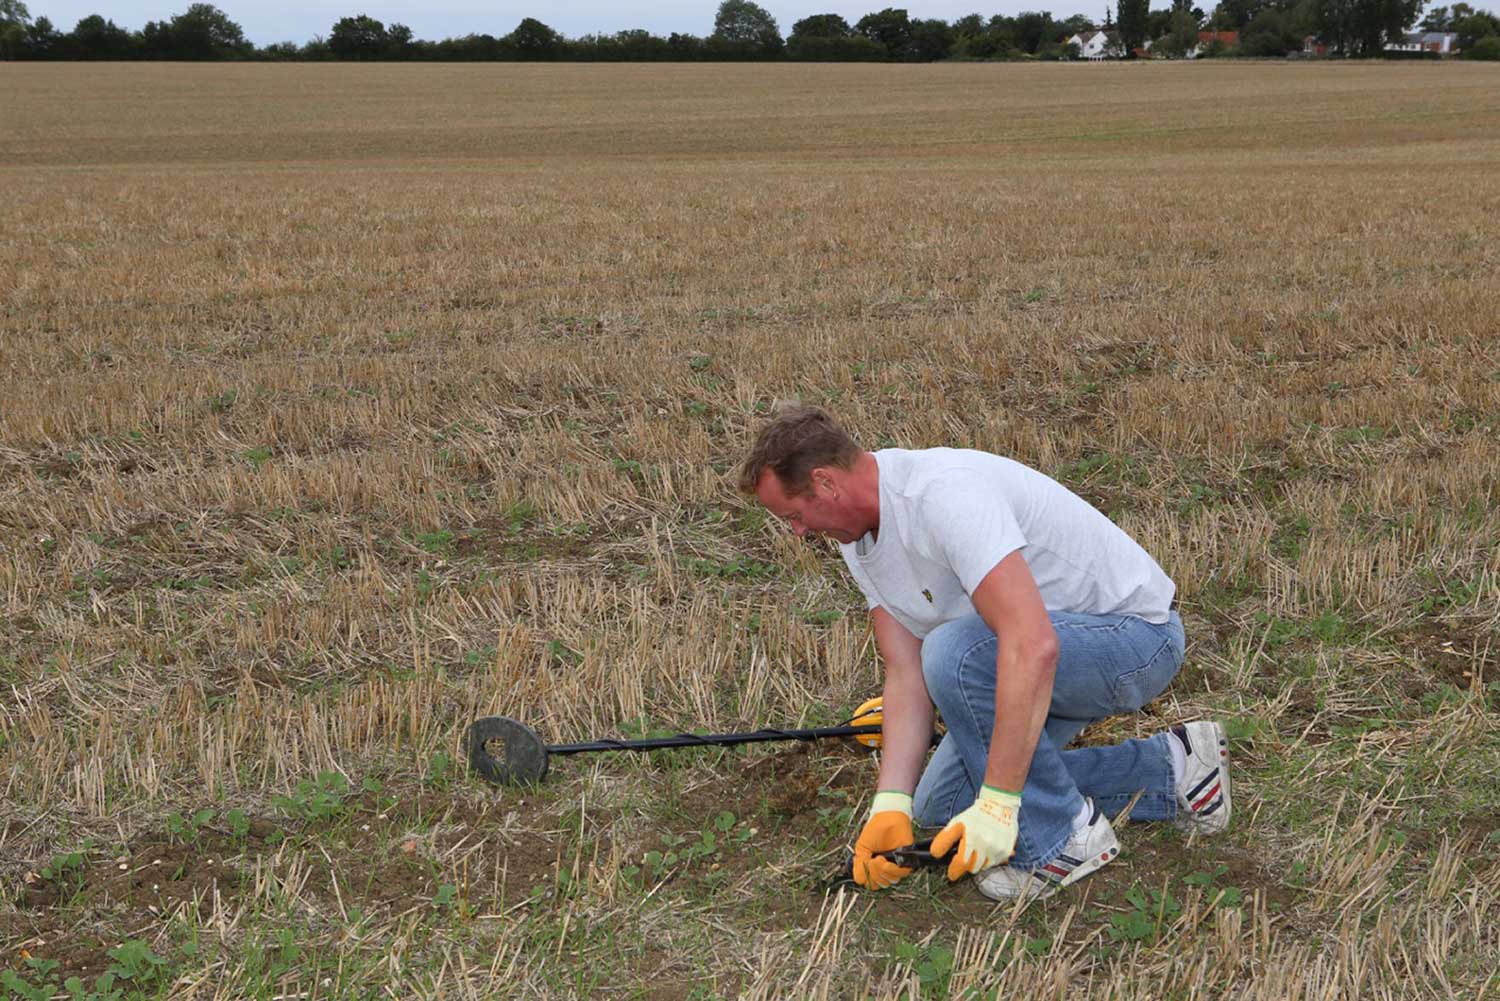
(1087, 627)
(975, 781)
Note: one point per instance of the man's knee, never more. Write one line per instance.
(944, 649)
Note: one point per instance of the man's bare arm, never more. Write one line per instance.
(907, 730)
(1025, 665)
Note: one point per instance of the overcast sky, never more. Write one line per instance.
(267, 21)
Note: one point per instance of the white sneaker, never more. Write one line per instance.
(1203, 787)
(1090, 847)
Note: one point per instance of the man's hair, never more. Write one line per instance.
(799, 439)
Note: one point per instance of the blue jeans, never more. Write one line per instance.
(1106, 664)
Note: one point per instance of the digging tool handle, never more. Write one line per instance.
(913, 856)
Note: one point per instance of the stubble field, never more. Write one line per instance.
(342, 405)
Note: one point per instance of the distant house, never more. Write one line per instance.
(1442, 43)
(1227, 39)
(1095, 44)
(1312, 47)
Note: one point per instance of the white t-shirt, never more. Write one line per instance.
(948, 516)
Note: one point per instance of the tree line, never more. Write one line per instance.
(743, 30)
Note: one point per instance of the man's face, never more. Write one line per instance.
(821, 512)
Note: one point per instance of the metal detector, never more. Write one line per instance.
(508, 752)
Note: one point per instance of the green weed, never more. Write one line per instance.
(933, 964)
(185, 829)
(1150, 911)
(316, 799)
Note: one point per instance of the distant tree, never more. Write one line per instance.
(1270, 34)
(969, 26)
(1134, 23)
(1486, 49)
(203, 31)
(399, 42)
(93, 37)
(830, 38)
(1036, 29)
(633, 45)
(15, 19)
(854, 49)
(1232, 15)
(1437, 19)
(744, 29)
(1181, 36)
(976, 38)
(316, 48)
(890, 28)
(1159, 22)
(42, 40)
(533, 40)
(931, 39)
(280, 50)
(821, 26)
(1362, 27)
(685, 46)
(1473, 26)
(471, 48)
(359, 37)
(1075, 25)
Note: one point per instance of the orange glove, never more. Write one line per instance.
(889, 827)
(985, 833)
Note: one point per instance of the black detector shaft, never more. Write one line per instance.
(507, 752)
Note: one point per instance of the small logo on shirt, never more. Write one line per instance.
(927, 594)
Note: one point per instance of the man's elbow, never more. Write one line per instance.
(1043, 653)
(1037, 654)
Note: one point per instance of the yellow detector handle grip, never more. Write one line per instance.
(870, 713)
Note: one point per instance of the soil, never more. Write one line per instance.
(1479, 827)
(383, 857)
(1449, 655)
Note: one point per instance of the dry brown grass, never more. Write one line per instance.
(339, 405)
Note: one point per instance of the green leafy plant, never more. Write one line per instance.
(439, 543)
(134, 961)
(440, 770)
(426, 584)
(184, 829)
(62, 866)
(446, 898)
(316, 799)
(1228, 896)
(834, 820)
(933, 964)
(561, 654)
(239, 824)
(1150, 910)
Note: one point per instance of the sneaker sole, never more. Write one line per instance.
(1060, 876)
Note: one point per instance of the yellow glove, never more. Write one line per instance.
(889, 827)
(985, 833)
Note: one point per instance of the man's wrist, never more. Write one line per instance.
(891, 800)
(998, 795)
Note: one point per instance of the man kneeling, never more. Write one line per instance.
(1023, 614)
